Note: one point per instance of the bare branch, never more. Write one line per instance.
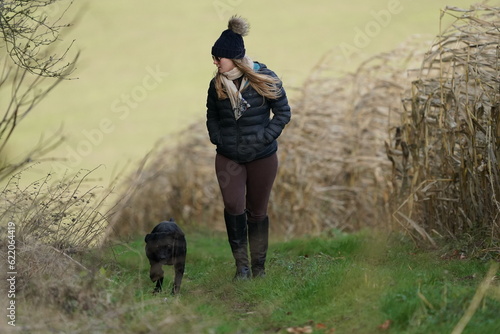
(30, 32)
(29, 35)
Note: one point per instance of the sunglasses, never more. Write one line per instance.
(217, 58)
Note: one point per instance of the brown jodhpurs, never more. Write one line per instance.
(246, 186)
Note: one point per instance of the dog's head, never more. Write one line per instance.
(162, 245)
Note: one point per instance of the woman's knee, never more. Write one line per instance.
(234, 207)
(256, 216)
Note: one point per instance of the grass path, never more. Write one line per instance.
(339, 283)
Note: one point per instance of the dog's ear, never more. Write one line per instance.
(147, 238)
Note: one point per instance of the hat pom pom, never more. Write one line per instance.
(238, 25)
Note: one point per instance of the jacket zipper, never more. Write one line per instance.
(237, 139)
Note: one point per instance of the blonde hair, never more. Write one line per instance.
(266, 85)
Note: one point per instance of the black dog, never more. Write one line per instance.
(166, 245)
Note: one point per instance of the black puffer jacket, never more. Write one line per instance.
(253, 136)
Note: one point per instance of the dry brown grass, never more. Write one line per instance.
(450, 132)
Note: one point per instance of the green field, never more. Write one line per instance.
(144, 69)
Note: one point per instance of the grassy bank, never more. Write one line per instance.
(337, 283)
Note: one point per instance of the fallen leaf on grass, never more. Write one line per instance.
(324, 329)
(385, 326)
(320, 326)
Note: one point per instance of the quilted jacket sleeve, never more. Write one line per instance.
(213, 124)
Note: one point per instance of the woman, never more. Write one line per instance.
(240, 100)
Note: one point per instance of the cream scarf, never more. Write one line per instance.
(238, 103)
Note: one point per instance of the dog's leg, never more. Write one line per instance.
(179, 273)
(158, 286)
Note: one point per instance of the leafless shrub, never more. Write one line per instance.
(65, 214)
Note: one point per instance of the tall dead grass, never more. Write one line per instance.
(449, 136)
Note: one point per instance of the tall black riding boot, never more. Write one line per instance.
(236, 227)
(258, 236)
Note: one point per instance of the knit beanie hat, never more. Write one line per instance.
(230, 43)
